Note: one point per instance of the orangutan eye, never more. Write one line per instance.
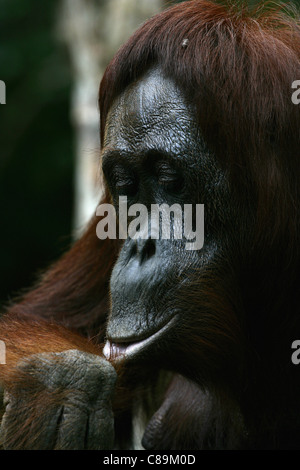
(126, 187)
(124, 182)
(169, 179)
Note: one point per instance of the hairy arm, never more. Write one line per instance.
(57, 387)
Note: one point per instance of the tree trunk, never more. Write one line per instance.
(93, 31)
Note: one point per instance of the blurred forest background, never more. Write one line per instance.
(52, 56)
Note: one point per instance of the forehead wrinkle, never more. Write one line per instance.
(159, 134)
(143, 112)
(150, 113)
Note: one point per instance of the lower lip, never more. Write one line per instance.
(118, 352)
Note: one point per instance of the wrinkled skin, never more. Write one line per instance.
(77, 388)
(154, 153)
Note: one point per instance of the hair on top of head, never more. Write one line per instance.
(230, 52)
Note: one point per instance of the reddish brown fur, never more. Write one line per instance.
(74, 292)
(37, 336)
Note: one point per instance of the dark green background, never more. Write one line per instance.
(36, 154)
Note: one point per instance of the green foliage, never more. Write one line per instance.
(36, 160)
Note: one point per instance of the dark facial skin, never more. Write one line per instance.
(154, 153)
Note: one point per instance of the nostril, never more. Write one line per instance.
(148, 250)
